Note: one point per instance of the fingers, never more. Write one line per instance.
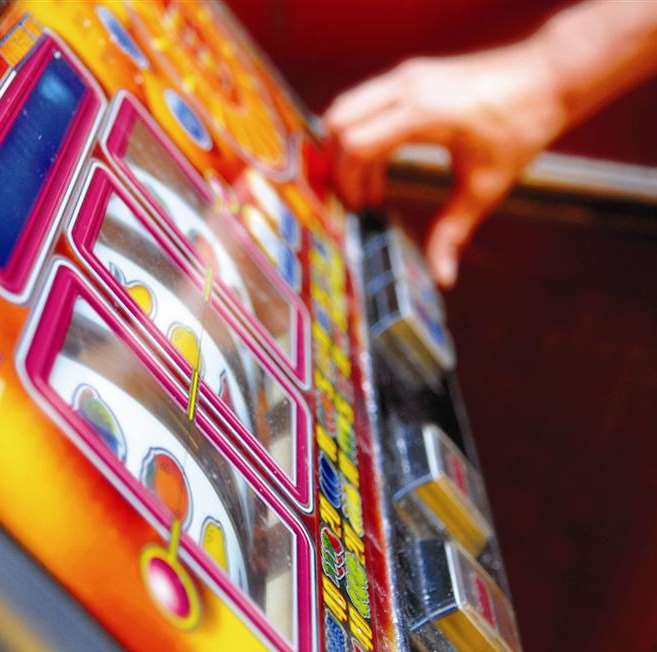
(366, 123)
(350, 171)
(476, 195)
(357, 104)
(362, 153)
(379, 134)
(375, 183)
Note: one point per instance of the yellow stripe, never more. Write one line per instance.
(196, 373)
(174, 542)
(193, 395)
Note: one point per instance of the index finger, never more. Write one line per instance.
(361, 102)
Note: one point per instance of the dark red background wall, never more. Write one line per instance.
(556, 328)
(324, 46)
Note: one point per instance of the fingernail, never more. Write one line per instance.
(446, 271)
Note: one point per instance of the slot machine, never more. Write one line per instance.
(230, 415)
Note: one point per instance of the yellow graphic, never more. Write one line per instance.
(142, 296)
(214, 543)
(186, 342)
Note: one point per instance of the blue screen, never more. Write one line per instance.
(29, 149)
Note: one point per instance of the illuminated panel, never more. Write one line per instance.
(165, 295)
(183, 202)
(47, 118)
(129, 417)
(200, 56)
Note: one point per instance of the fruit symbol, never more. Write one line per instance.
(165, 577)
(185, 341)
(143, 297)
(169, 583)
(140, 293)
(213, 541)
(91, 407)
(164, 476)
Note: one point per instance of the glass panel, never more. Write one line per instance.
(29, 149)
(168, 298)
(214, 241)
(109, 390)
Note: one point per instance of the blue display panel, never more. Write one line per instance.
(29, 148)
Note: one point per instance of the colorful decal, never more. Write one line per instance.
(329, 481)
(91, 407)
(353, 509)
(213, 541)
(332, 556)
(188, 119)
(164, 476)
(345, 587)
(139, 292)
(336, 638)
(357, 585)
(356, 646)
(121, 37)
(186, 342)
(169, 584)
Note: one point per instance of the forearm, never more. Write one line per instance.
(597, 50)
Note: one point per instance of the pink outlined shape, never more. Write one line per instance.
(125, 110)
(82, 232)
(19, 275)
(40, 344)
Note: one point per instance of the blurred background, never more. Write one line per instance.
(555, 321)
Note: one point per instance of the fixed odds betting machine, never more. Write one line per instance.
(229, 419)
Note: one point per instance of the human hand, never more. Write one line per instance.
(494, 111)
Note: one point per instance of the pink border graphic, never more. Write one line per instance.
(42, 342)
(99, 185)
(124, 112)
(21, 269)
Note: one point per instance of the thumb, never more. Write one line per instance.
(474, 197)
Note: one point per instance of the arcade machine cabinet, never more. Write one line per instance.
(230, 418)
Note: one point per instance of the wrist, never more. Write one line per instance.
(549, 87)
(597, 50)
(541, 113)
